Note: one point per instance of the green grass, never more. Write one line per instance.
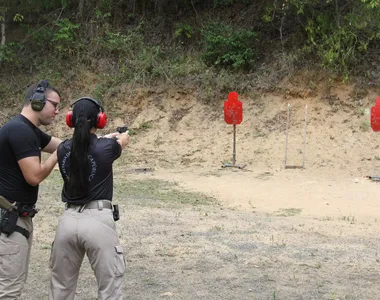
(350, 219)
(153, 192)
(148, 192)
(288, 212)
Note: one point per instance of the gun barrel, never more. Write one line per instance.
(5, 204)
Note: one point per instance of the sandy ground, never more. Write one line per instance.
(307, 238)
(275, 233)
(266, 192)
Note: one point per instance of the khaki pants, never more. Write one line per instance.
(91, 232)
(14, 260)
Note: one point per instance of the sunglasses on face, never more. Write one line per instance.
(55, 104)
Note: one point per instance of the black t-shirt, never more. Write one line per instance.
(101, 155)
(19, 139)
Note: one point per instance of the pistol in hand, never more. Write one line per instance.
(122, 129)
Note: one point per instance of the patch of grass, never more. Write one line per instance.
(364, 126)
(160, 192)
(145, 126)
(350, 219)
(274, 297)
(150, 282)
(288, 212)
(217, 228)
(259, 134)
(158, 141)
(259, 151)
(360, 111)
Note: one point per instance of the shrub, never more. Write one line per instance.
(227, 46)
(65, 37)
(9, 54)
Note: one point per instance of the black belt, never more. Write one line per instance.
(23, 231)
(95, 204)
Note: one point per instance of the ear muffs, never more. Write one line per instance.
(38, 100)
(101, 119)
(69, 118)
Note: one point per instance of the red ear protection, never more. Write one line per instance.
(69, 118)
(101, 120)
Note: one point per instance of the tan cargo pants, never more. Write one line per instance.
(14, 260)
(91, 232)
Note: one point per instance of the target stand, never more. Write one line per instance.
(287, 139)
(233, 114)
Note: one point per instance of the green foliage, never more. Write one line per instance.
(371, 3)
(184, 31)
(100, 91)
(221, 3)
(228, 46)
(9, 54)
(120, 44)
(102, 18)
(18, 18)
(338, 32)
(339, 35)
(182, 66)
(147, 63)
(104, 5)
(40, 35)
(335, 48)
(64, 38)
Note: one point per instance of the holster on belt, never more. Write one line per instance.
(10, 213)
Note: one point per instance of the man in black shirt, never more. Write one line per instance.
(21, 143)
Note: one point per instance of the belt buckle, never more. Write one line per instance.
(100, 204)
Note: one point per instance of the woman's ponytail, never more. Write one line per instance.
(79, 168)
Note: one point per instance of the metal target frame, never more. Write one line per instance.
(287, 141)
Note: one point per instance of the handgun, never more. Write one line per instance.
(115, 212)
(122, 129)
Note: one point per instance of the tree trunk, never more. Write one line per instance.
(3, 30)
(80, 11)
(143, 7)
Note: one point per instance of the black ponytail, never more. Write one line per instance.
(79, 168)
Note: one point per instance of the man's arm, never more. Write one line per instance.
(34, 172)
(52, 146)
